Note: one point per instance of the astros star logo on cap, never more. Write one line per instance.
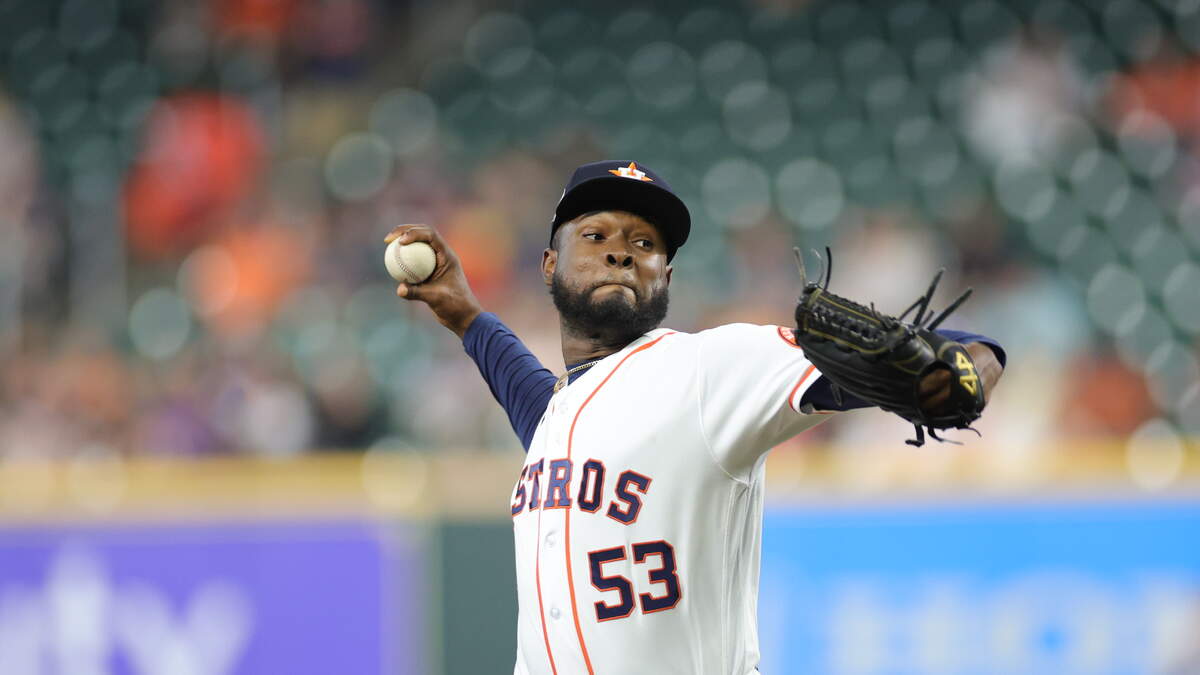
(631, 171)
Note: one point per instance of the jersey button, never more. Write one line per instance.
(554, 613)
(550, 538)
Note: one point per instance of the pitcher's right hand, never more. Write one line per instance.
(446, 291)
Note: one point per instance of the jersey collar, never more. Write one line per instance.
(572, 376)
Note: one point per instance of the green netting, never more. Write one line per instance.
(917, 21)
(981, 23)
(1156, 253)
(1133, 29)
(634, 28)
(837, 23)
(868, 61)
(706, 26)
(726, 65)
(562, 31)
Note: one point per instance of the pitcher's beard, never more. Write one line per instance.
(612, 319)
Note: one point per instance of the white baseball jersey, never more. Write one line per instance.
(638, 513)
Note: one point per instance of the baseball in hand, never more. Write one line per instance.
(411, 263)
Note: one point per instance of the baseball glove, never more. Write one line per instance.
(882, 359)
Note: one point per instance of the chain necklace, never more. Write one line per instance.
(566, 377)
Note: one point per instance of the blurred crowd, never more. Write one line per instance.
(194, 194)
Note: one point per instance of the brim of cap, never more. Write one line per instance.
(660, 207)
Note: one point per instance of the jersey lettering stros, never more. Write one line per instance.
(638, 512)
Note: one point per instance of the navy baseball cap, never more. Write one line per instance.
(622, 185)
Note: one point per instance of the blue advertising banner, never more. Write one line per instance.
(1060, 588)
(255, 599)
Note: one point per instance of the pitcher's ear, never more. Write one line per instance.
(549, 262)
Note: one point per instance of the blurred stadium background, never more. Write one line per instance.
(226, 447)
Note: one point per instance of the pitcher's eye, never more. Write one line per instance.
(645, 243)
(597, 235)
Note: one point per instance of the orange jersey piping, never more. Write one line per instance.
(567, 529)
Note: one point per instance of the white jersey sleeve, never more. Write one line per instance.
(752, 379)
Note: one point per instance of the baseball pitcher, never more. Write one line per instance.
(637, 512)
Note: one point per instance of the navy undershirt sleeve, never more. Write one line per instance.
(820, 394)
(519, 382)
